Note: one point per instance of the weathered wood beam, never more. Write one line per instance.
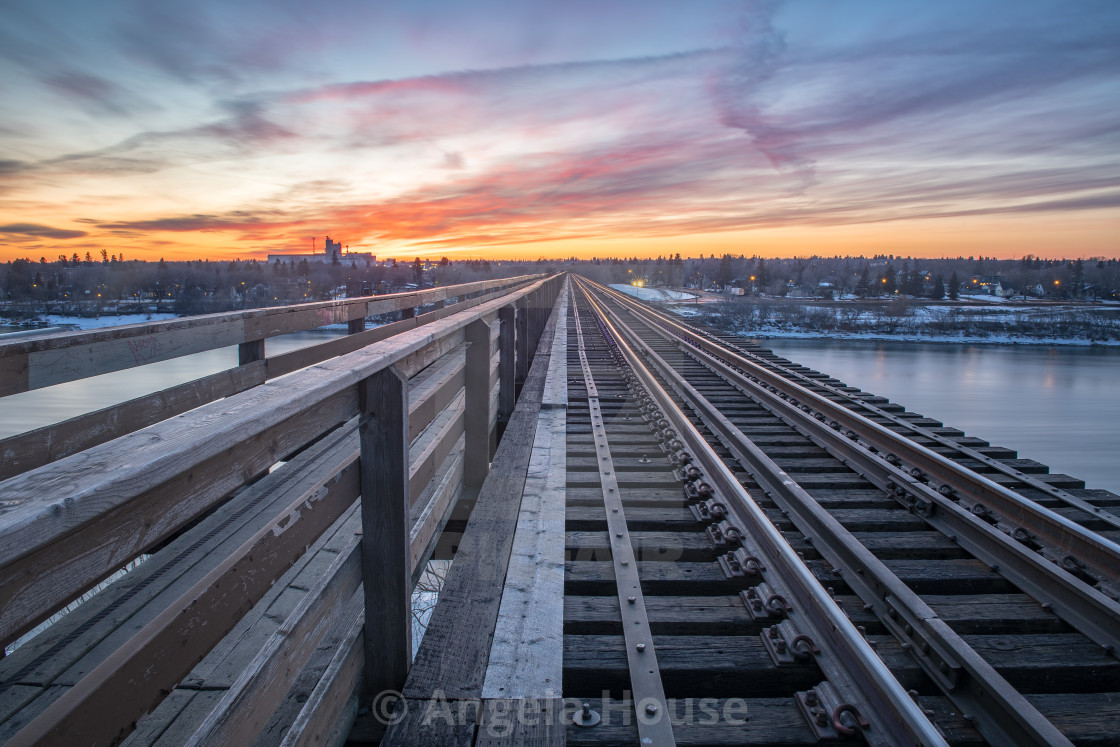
(455, 650)
(41, 446)
(57, 358)
(101, 707)
(526, 657)
(477, 421)
(245, 708)
(387, 577)
(27, 451)
(507, 334)
(128, 494)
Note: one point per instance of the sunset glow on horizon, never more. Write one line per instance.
(496, 129)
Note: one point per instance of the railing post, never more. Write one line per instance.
(476, 456)
(507, 395)
(408, 313)
(522, 371)
(250, 352)
(386, 572)
(354, 326)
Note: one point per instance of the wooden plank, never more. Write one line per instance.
(73, 646)
(454, 652)
(506, 366)
(333, 703)
(431, 511)
(431, 393)
(246, 707)
(78, 355)
(293, 361)
(14, 369)
(477, 416)
(250, 352)
(383, 433)
(431, 721)
(526, 657)
(522, 341)
(53, 359)
(537, 721)
(434, 445)
(53, 572)
(32, 449)
(106, 702)
(225, 673)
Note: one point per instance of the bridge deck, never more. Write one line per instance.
(589, 566)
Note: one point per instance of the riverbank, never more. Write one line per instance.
(902, 322)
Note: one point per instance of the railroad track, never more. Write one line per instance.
(794, 561)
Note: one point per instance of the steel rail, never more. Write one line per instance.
(1000, 713)
(965, 451)
(1077, 550)
(845, 657)
(648, 691)
(1084, 607)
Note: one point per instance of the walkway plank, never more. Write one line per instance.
(526, 659)
(454, 653)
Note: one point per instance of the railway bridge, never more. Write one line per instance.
(658, 534)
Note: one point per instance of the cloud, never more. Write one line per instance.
(232, 221)
(34, 229)
(94, 93)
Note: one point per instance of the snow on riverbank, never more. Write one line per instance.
(652, 294)
(999, 325)
(86, 322)
(767, 334)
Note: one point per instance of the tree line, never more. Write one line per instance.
(111, 284)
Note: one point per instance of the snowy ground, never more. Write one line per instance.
(106, 320)
(653, 294)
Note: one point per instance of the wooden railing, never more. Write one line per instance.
(405, 423)
(27, 364)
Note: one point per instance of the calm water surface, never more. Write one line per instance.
(1057, 405)
(34, 409)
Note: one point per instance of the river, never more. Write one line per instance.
(34, 409)
(1057, 405)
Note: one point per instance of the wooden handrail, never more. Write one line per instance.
(66, 525)
(26, 451)
(27, 364)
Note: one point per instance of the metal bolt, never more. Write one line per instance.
(651, 708)
(811, 697)
(641, 647)
(631, 600)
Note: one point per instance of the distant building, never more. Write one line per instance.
(990, 285)
(332, 253)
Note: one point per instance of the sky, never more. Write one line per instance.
(532, 128)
